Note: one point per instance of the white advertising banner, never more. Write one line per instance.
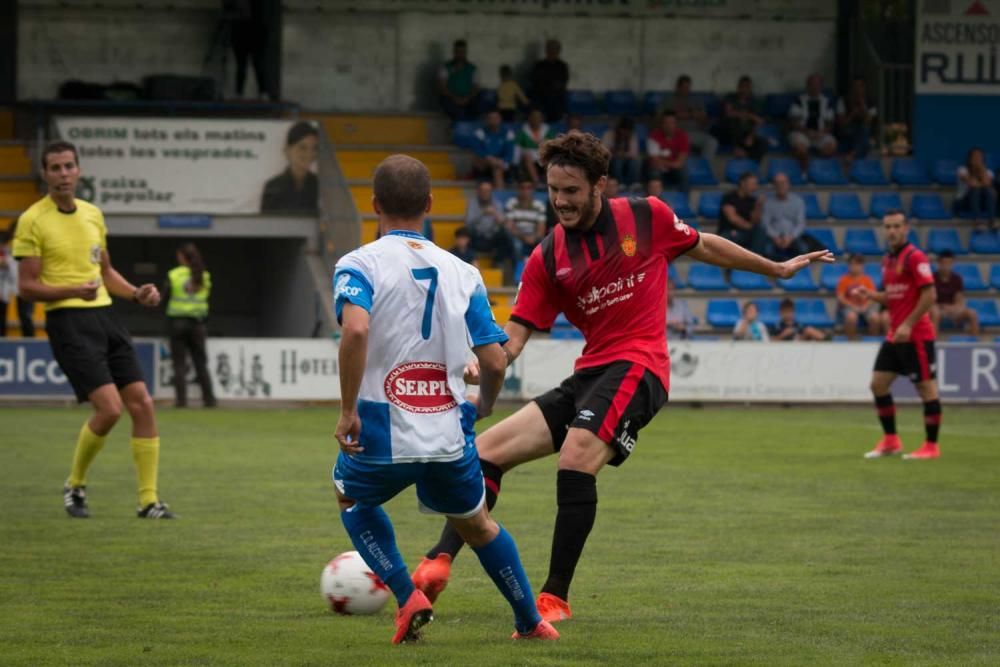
(296, 369)
(171, 165)
(957, 44)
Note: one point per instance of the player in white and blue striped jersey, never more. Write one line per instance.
(410, 312)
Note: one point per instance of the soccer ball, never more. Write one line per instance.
(350, 587)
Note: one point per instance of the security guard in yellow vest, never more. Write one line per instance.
(188, 288)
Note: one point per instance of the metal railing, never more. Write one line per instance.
(892, 83)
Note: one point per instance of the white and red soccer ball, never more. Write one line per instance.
(350, 587)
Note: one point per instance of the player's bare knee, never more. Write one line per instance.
(583, 453)
(140, 405)
(476, 531)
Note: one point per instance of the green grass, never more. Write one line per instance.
(732, 536)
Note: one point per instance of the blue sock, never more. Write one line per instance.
(502, 562)
(372, 535)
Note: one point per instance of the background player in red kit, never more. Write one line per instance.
(908, 349)
(605, 266)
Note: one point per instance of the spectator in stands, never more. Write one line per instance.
(534, 131)
(856, 309)
(680, 319)
(626, 161)
(741, 116)
(668, 148)
(486, 225)
(855, 117)
(574, 122)
(613, 188)
(784, 221)
(740, 214)
(525, 219)
(494, 150)
(295, 190)
(654, 188)
(812, 122)
(463, 247)
(549, 81)
(951, 303)
(8, 288)
(749, 327)
(788, 329)
(975, 194)
(249, 30)
(510, 97)
(457, 85)
(691, 117)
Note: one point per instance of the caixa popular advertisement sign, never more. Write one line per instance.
(28, 369)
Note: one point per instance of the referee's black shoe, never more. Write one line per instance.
(155, 510)
(75, 501)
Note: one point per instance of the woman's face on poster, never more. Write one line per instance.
(302, 154)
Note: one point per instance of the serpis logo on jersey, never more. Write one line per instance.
(629, 245)
(420, 387)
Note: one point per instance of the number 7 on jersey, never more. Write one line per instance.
(431, 274)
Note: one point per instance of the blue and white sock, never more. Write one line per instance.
(372, 535)
(502, 562)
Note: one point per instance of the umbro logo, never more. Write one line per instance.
(585, 415)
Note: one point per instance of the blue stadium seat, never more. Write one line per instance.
(813, 211)
(801, 282)
(914, 238)
(463, 134)
(882, 202)
(776, 105)
(985, 243)
(874, 271)
(909, 171)
(678, 201)
(813, 313)
(736, 167)
(711, 101)
(570, 333)
(518, 271)
(946, 172)
(826, 172)
(582, 102)
(651, 101)
(596, 129)
(862, 241)
(826, 238)
(487, 100)
(747, 280)
(972, 279)
(830, 275)
(868, 172)
(787, 166)
(963, 338)
(774, 135)
(561, 322)
(620, 103)
(724, 313)
(846, 206)
(939, 240)
(675, 276)
(929, 207)
(989, 315)
(709, 204)
(768, 311)
(705, 278)
(642, 133)
(995, 276)
(700, 171)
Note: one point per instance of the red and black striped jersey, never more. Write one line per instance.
(610, 281)
(904, 274)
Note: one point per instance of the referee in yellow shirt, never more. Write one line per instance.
(61, 243)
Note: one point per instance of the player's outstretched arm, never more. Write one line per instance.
(353, 356)
(517, 335)
(716, 250)
(492, 367)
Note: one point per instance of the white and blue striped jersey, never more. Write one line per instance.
(427, 308)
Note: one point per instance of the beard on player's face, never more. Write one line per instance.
(573, 197)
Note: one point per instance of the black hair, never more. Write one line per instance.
(946, 254)
(300, 131)
(683, 78)
(58, 147)
(189, 252)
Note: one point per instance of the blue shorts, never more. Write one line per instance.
(454, 488)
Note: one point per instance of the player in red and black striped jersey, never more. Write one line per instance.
(605, 267)
(908, 349)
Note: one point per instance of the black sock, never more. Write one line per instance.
(450, 541)
(932, 419)
(576, 494)
(886, 410)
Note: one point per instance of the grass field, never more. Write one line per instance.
(732, 536)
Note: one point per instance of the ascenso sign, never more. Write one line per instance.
(957, 45)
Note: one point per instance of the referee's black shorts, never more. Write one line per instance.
(612, 401)
(93, 349)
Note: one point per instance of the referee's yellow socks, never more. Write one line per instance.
(87, 445)
(146, 454)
